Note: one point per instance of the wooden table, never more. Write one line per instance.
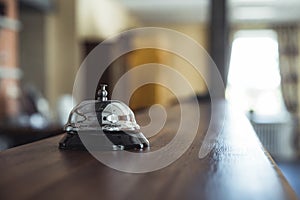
(230, 171)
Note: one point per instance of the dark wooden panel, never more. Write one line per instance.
(236, 168)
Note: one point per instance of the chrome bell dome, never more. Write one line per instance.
(104, 119)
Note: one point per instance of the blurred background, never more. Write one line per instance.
(253, 42)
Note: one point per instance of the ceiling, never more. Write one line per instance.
(251, 11)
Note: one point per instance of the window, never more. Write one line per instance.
(254, 77)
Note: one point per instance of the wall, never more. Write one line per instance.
(66, 29)
(32, 49)
(162, 95)
(82, 20)
(197, 32)
(99, 19)
(62, 50)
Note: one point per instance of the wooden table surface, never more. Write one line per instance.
(237, 168)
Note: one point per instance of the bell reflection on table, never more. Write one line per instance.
(102, 125)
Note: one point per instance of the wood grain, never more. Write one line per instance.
(237, 168)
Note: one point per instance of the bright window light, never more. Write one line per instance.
(254, 77)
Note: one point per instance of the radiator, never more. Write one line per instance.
(277, 138)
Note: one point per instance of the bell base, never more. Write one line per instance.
(109, 140)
